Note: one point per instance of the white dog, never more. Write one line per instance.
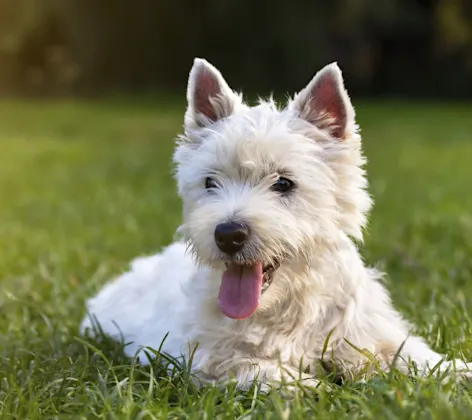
(274, 200)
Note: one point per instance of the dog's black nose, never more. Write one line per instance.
(230, 237)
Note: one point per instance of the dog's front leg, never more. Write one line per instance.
(270, 374)
(427, 361)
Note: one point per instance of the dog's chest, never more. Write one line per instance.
(291, 332)
(261, 338)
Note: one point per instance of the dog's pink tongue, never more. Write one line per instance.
(240, 291)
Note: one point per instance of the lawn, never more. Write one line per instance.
(86, 186)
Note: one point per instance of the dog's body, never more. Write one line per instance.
(273, 201)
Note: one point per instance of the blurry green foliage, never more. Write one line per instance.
(405, 47)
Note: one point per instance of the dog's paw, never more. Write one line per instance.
(288, 387)
(462, 369)
(305, 384)
(454, 370)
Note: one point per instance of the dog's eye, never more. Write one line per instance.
(210, 183)
(283, 185)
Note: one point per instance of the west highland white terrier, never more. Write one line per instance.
(267, 281)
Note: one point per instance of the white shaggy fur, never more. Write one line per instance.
(321, 289)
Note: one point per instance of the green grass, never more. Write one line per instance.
(85, 187)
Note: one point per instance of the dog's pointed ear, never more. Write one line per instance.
(325, 103)
(209, 97)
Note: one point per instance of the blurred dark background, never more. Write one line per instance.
(405, 48)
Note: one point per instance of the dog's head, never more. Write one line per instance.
(264, 188)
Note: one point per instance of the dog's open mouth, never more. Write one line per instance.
(268, 274)
(242, 287)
